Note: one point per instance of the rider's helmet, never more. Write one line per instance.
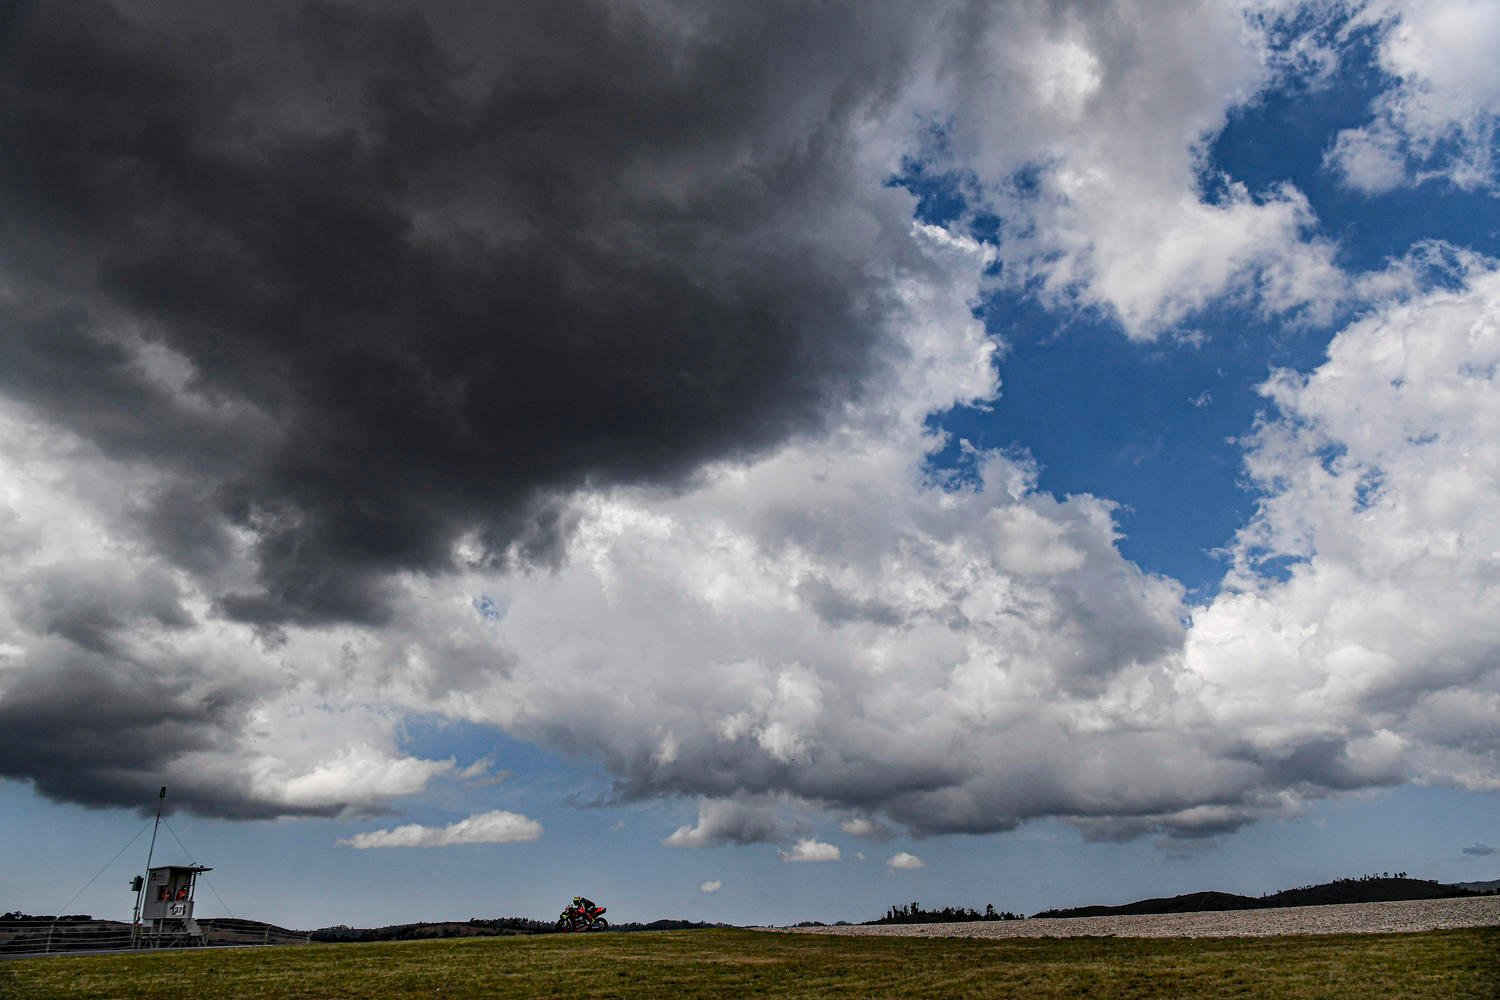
(577, 900)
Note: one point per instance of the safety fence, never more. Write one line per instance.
(46, 935)
(43, 934)
(232, 930)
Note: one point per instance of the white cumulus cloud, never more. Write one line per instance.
(713, 886)
(495, 827)
(1369, 658)
(905, 862)
(863, 826)
(1086, 135)
(1439, 117)
(810, 850)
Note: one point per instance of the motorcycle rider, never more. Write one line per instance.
(583, 914)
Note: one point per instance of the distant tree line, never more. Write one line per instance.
(914, 914)
(481, 927)
(477, 927)
(1350, 880)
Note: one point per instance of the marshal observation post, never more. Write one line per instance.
(167, 909)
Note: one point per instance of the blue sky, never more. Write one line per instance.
(697, 460)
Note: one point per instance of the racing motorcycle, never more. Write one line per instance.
(588, 918)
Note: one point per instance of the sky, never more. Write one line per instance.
(747, 462)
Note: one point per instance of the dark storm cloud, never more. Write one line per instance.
(102, 704)
(433, 268)
(1481, 850)
(183, 526)
(101, 728)
(87, 602)
(1320, 763)
(96, 707)
(1198, 823)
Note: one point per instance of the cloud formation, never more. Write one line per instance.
(1370, 659)
(741, 819)
(570, 375)
(605, 245)
(1437, 118)
(712, 886)
(274, 360)
(1020, 667)
(809, 849)
(863, 826)
(904, 862)
(742, 684)
(1093, 159)
(495, 827)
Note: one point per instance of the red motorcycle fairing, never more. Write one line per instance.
(574, 919)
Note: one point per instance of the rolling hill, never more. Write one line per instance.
(1370, 889)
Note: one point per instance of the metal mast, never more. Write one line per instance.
(135, 920)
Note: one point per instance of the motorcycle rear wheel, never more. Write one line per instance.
(600, 924)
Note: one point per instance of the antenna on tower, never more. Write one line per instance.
(140, 883)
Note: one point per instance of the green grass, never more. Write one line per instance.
(715, 963)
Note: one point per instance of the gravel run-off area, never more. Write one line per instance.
(1345, 918)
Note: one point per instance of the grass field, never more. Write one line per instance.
(731, 963)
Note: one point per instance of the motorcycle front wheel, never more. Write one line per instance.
(562, 923)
